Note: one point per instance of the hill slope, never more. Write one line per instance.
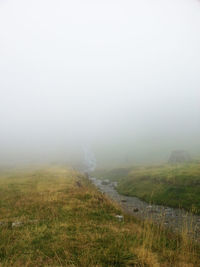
(170, 185)
(56, 217)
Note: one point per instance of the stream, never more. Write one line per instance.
(175, 219)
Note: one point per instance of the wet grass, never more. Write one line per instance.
(56, 217)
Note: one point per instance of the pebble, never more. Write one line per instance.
(105, 182)
(135, 209)
(17, 224)
(120, 217)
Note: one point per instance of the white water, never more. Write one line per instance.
(89, 159)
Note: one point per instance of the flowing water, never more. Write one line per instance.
(176, 219)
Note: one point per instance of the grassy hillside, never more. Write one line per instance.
(56, 217)
(171, 185)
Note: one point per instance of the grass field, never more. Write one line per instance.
(55, 217)
(171, 185)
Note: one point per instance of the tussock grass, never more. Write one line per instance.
(60, 219)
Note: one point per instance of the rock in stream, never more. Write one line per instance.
(175, 219)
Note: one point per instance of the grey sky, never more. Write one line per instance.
(97, 71)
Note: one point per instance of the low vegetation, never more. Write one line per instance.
(56, 217)
(171, 185)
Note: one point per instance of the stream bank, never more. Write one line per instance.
(177, 220)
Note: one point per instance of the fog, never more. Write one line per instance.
(120, 77)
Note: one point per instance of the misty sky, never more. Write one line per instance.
(103, 72)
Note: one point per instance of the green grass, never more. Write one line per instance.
(171, 185)
(65, 221)
(112, 175)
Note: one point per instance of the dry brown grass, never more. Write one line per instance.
(65, 221)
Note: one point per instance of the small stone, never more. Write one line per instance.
(17, 224)
(115, 184)
(120, 217)
(135, 209)
(105, 182)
